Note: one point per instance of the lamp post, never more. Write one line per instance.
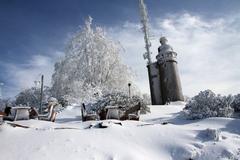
(39, 85)
(129, 89)
(41, 94)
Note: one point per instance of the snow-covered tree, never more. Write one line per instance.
(208, 104)
(31, 96)
(186, 98)
(92, 66)
(146, 99)
(3, 103)
(236, 103)
(118, 99)
(6, 102)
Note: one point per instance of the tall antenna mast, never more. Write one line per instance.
(145, 29)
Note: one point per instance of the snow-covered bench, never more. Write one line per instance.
(51, 115)
(116, 112)
(1, 119)
(22, 113)
(133, 113)
(18, 113)
(88, 116)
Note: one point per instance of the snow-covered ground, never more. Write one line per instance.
(161, 135)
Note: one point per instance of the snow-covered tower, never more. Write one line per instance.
(153, 72)
(169, 76)
(163, 75)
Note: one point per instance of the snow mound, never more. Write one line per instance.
(211, 134)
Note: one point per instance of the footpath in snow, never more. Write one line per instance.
(161, 135)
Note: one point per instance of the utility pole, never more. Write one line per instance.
(41, 94)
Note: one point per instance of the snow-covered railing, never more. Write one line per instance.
(169, 56)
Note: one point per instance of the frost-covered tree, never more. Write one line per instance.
(3, 103)
(31, 96)
(118, 99)
(91, 66)
(236, 103)
(6, 102)
(208, 104)
(146, 99)
(186, 98)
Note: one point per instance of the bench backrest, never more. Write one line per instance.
(134, 109)
(21, 114)
(113, 113)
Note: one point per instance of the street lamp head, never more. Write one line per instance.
(129, 84)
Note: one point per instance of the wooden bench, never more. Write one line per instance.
(116, 112)
(51, 115)
(19, 113)
(88, 116)
(1, 119)
(133, 113)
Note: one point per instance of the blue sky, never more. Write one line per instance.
(33, 35)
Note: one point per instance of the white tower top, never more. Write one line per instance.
(145, 29)
(165, 52)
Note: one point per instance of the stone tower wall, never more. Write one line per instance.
(170, 81)
(155, 84)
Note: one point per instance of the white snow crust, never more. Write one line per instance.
(161, 135)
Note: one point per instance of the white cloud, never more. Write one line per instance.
(208, 51)
(39, 61)
(22, 76)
